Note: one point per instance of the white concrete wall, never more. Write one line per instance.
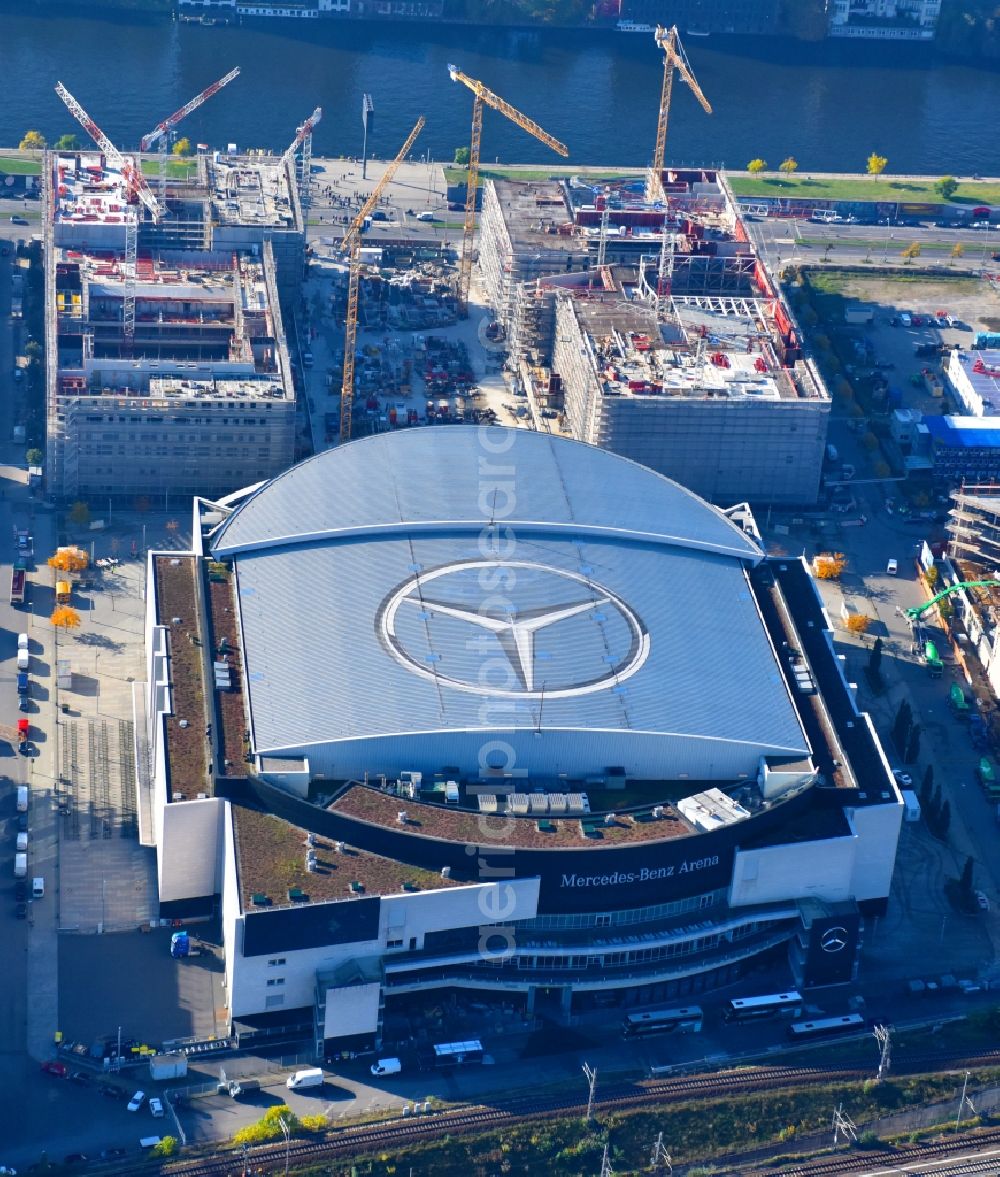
(402, 917)
(352, 1010)
(820, 870)
(189, 857)
(232, 925)
(877, 828)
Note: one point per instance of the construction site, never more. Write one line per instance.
(629, 312)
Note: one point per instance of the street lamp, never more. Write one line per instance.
(283, 1123)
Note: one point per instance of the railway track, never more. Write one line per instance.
(913, 1159)
(391, 1135)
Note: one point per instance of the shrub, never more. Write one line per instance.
(166, 1148)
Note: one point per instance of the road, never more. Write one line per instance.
(782, 241)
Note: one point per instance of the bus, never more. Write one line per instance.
(686, 1020)
(932, 660)
(821, 1026)
(771, 1005)
(453, 1054)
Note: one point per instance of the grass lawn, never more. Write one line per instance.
(18, 165)
(860, 188)
(177, 169)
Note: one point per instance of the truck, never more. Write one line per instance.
(238, 1087)
(180, 945)
(911, 805)
(64, 592)
(17, 579)
(304, 1079)
(172, 1065)
(25, 544)
(959, 703)
(23, 727)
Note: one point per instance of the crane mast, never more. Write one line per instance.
(484, 95)
(136, 186)
(351, 242)
(303, 139)
(674, 58)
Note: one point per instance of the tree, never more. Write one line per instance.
(965, 882)
(788, 165)
(875, 659)
(927, 785)
(32, 141)
(756, 165)
(182, 147)
(268, 1126)
(70, 559)
(79, 514)
(858, 623)
(946, 187)
(67, 143)
(911, 251)
(64, 617)
(166, 1148)
(869, 442)
(462, 157)
(957, 250)
(901, 725)
(876, 164)
(931, 576)
(944, 820)
(935, 805)
(912, 745)
(34, 456)
(829, 565)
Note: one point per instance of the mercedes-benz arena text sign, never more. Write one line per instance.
(515, 607)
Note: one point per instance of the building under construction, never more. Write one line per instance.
(173, 366)
(651, 329)
(200, 393)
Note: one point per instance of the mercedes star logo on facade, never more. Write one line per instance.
(554, 633)
(834, 939)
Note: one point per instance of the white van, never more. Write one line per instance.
(38, 887)
(23, 659)
(20, 866)
(22, 798)
(905, 318)
(22, 641)
(148, 1142)
(387, 1066)
(310, 1077)
(892, 567)
(22, 842)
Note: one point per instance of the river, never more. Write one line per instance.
(829, 104)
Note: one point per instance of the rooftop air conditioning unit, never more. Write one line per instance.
(657, 811)
(339, 847)
(401, 817)
(446, 872)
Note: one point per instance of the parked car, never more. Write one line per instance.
(51, 1067)
(155, 1106)
(137, 1100)
(902, 778)
(982, 901)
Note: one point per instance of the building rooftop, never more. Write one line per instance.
(533, 212)
(981, 371)
(177, 612)
(709, 347)
(970, 433)
(245, 191)
(88, 190)
(271, 862)
(539, 831)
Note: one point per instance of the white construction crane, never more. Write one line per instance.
(136, 187)
(303, 137)
(161, 132)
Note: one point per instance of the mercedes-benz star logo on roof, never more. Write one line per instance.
(833, 939)
(577, 660)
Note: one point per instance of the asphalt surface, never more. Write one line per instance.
(784, 241)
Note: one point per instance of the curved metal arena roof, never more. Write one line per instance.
(435, 582)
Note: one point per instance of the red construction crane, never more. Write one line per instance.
(134, 179)
(168, 124)
(306, 129)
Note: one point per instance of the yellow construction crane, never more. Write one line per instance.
(482, 94)
(352, 242)
(674, 57)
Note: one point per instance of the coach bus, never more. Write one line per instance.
(686, 1020)
(772, 1005)
(822, 1026)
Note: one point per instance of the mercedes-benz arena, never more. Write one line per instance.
(501, 713)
